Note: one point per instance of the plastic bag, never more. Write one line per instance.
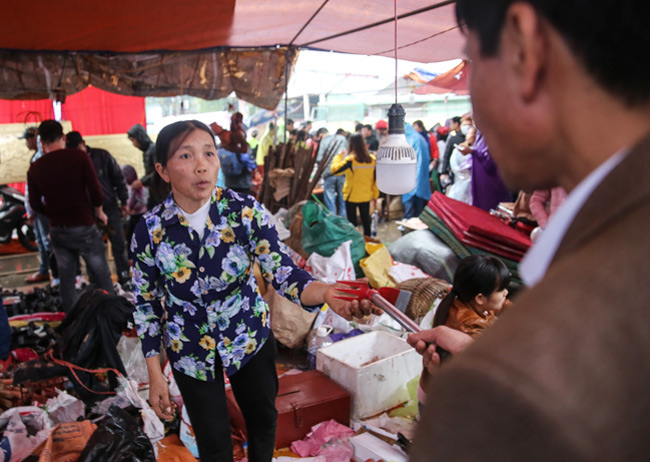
(426, 251)
(130, 351)
(118, 437)
(19, 423)
(401, 272)
(377, 265)
(186, 434)
(289, 322)
(323, 233)
(127, 395)
(62, 408)
(321, 434)
(337, 267)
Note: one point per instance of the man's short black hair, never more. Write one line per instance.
(610, 37)
(456, 119)
(322, 131)
(289, 122)
(50, 131)
(73, 140)
(358, 127)
(368, 127)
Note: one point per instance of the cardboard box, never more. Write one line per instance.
(374, 367)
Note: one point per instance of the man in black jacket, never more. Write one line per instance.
(457, 138)
(138, 136)
(113, 186)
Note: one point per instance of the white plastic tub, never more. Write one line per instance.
(374, 368)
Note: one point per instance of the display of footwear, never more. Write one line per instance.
(37, 277)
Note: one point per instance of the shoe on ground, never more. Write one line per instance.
(37, 277)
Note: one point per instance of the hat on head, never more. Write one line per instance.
(442, 130)
(381, 125)
(30, 132)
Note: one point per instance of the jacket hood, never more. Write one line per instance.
(139, 133)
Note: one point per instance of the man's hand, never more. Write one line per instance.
(425, 343)
(124, 210)
(30, 220)
(101, 216)
(136, 185)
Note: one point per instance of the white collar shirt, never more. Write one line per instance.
(535, 264)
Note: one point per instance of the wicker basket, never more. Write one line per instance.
(424, 292)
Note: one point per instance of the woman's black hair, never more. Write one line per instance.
(168, 141)
(420, 124)
(301, 135)
(357, 146)
(476, 274)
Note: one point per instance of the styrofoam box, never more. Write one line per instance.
(374, 368)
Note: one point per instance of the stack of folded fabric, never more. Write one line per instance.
(469, 230)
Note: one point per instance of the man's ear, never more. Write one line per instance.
(162, 171)
(524, 39)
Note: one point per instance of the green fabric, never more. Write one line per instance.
(323, 232)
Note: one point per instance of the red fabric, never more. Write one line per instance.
(31, 112)
(433, 142)
(96, 112)
(20, 187)
(477, 228)
(91, 111)
(142, 25)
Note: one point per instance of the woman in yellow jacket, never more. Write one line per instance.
(360, 180)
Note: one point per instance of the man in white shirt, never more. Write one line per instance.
(564, 374)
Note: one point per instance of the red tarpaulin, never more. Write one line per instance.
(96, 112)
(21, 111)
(91, 111)
(455, 80)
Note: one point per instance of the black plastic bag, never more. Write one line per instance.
(119, 438)
(89, 336)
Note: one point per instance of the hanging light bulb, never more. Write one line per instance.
(396, 158)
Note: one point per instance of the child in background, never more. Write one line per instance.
(136, 203)
(478, 295)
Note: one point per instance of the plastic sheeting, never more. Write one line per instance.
(257, 76)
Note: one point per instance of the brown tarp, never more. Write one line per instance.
(35, 33)
(257, 76)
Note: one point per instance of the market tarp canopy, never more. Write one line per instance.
(204, 48)
(454, 80)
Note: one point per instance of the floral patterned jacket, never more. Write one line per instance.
(212, 304)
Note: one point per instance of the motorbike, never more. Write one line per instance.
(13, 217)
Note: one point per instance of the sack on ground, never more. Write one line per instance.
(323, 233)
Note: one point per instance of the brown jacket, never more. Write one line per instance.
(463, 318)
(565, 376)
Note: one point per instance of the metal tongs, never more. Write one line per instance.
(387, 298)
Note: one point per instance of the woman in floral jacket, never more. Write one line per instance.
(195, 292)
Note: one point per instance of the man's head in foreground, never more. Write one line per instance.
(548, 80)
